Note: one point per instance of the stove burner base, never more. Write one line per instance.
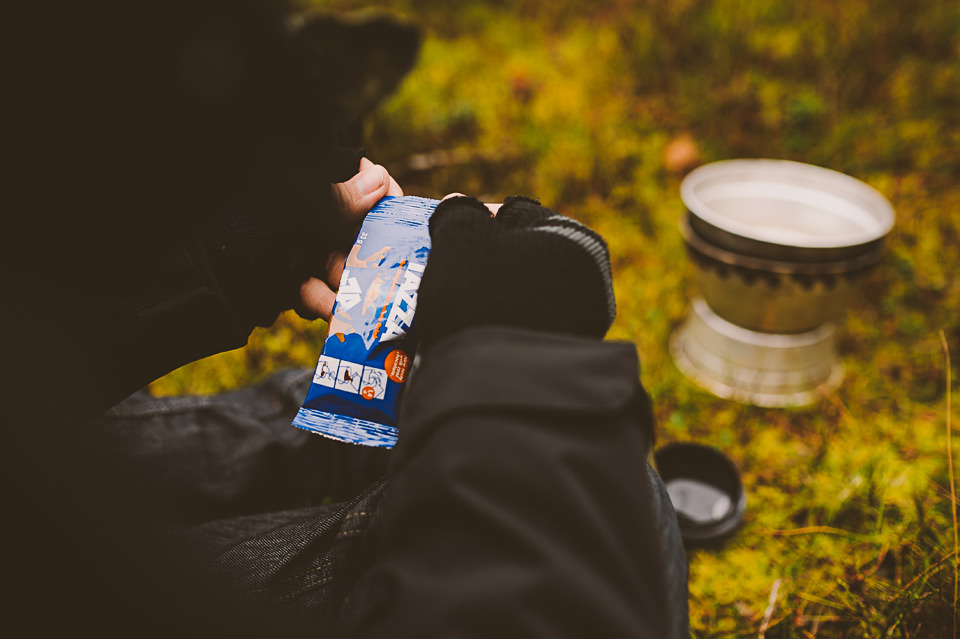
(765, 369)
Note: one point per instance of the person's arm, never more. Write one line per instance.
(168, 206)
(99, 333)
(519, 501)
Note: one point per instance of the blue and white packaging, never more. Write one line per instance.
(365, 362)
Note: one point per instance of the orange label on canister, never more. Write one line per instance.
(397, 363)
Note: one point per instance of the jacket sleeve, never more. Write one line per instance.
(127, 302)
(87, 339)
(520, 501)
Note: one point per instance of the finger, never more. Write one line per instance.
(492, 206)
(359, 194)
(394, 189)
(522, 212)
(459, 210)
(316, 299)
(335, 268)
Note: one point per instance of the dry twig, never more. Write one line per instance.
(953, 485)
(771, 604)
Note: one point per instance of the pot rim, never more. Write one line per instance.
(818, 187)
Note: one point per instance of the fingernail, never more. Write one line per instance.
(370, 180)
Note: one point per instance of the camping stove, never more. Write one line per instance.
(778, 251)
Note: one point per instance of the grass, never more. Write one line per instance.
(599, 108)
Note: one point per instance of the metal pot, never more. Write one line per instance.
(774, 296)
(779, 246)
(783, 210)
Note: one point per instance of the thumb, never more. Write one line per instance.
(359, 194)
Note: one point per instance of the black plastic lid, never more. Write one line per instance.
(705, 489)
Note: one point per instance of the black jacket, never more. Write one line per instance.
(170, 175)
(520, 502)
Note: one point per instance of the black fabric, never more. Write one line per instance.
(198, 458)
(171, 175)
(268, 513)
(131, 129)
(520, 503)
(521, 268)
(260, 257)
(517, 503)
(135, 126)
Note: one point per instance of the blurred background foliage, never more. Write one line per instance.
(599, 108)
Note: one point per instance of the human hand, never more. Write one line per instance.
(492, 206)
(354, 199)
(525, 267)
